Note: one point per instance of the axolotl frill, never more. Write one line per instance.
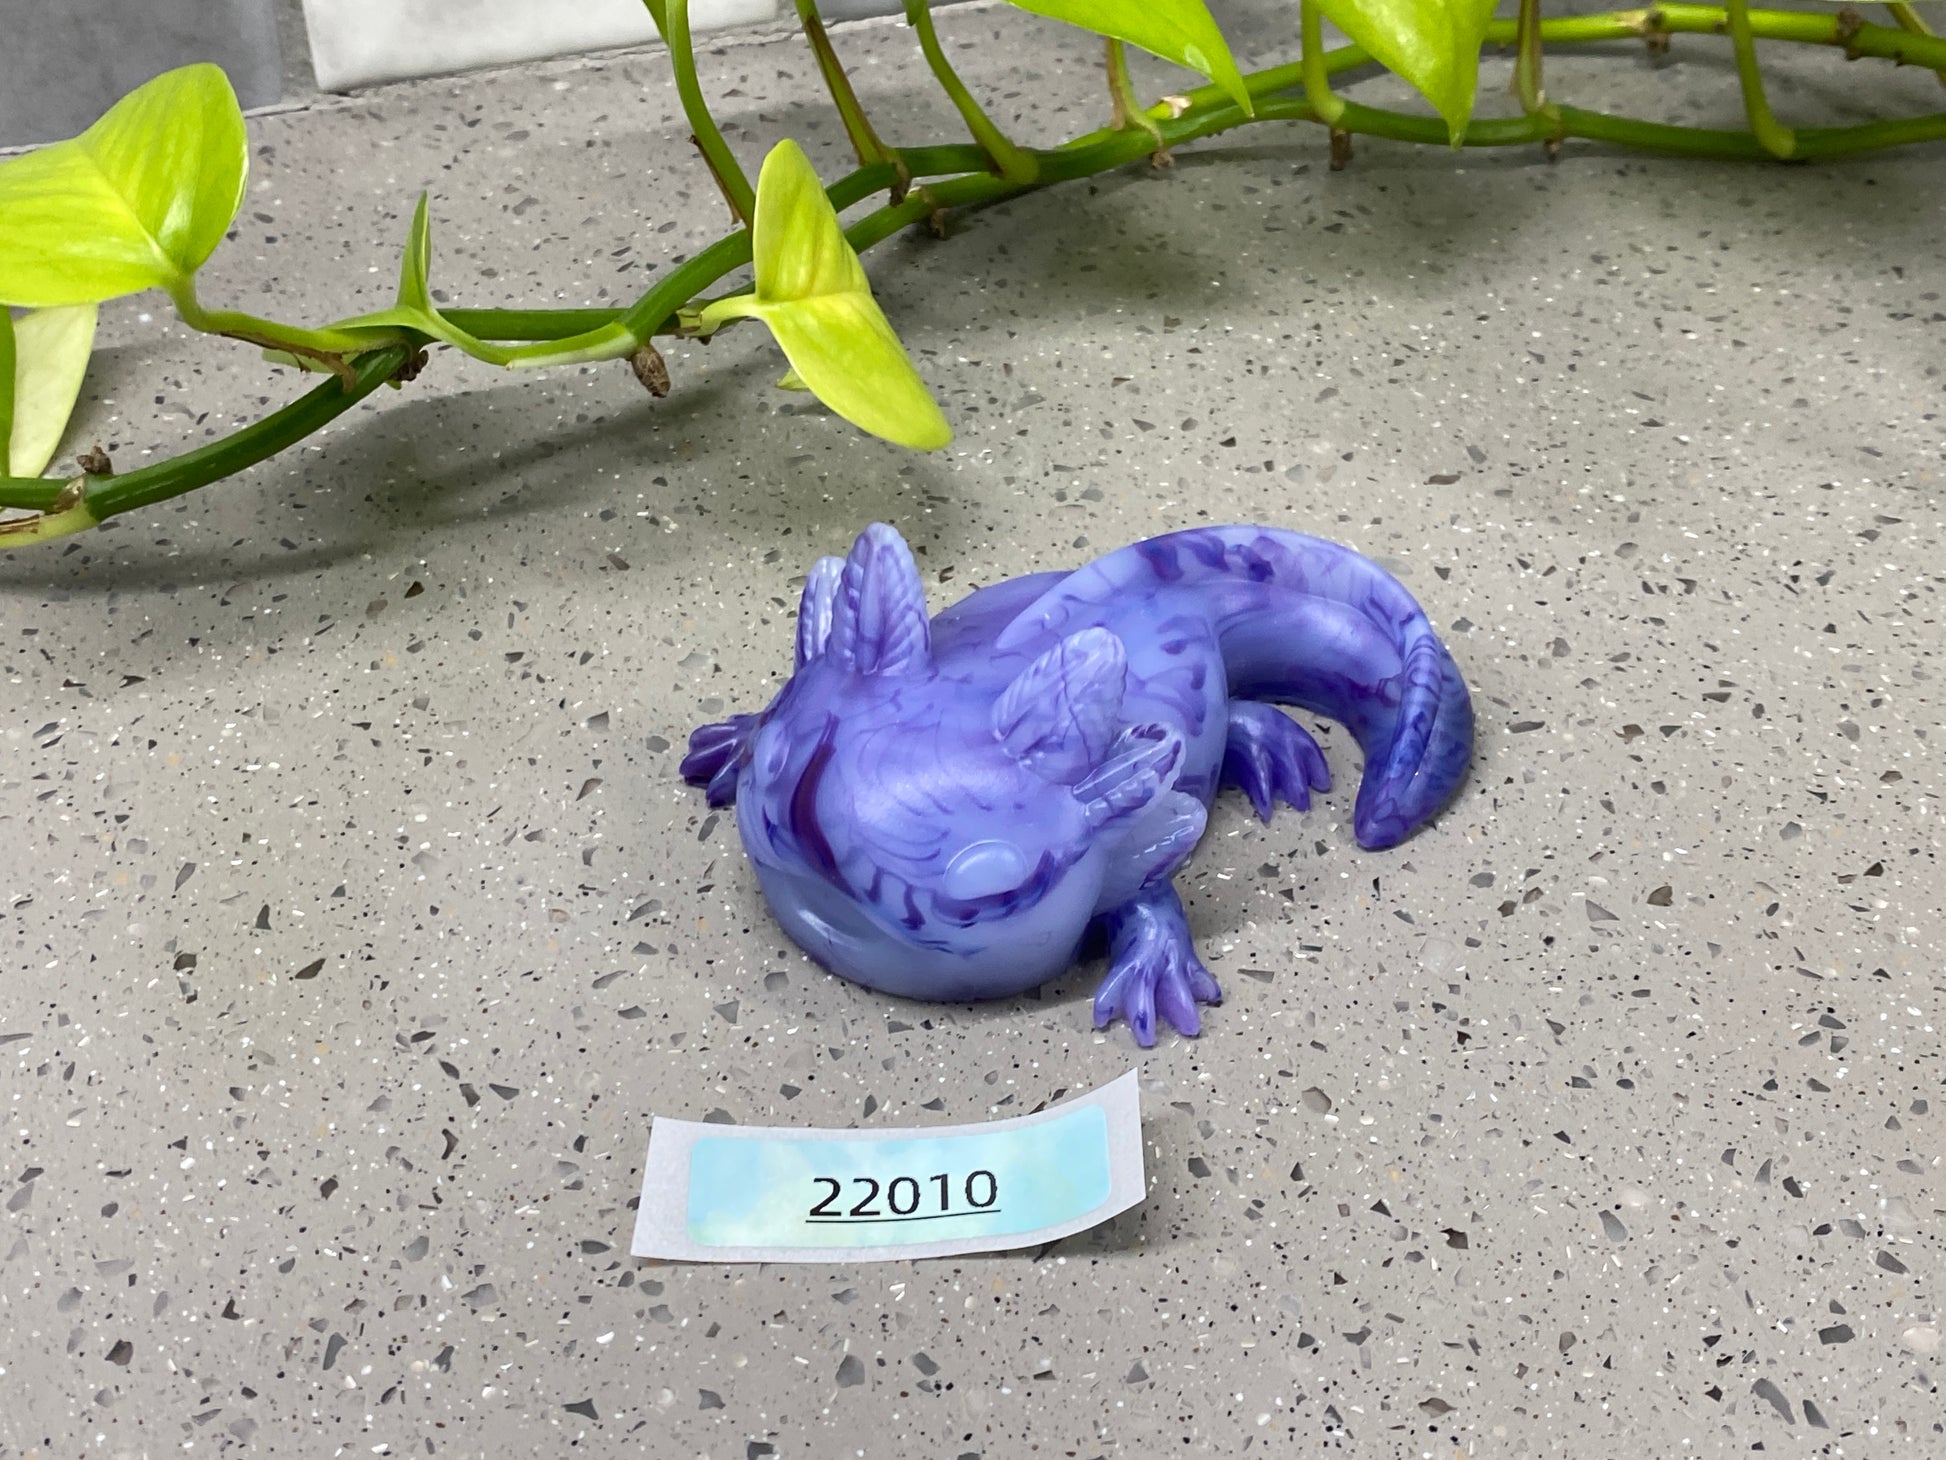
(943, 809)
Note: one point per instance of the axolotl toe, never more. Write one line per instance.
(943, 808)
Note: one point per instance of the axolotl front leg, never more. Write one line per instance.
(1152, 963)
(715, 756)
(1152, 967)
(718, 750)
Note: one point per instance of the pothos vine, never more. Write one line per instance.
(178, 197)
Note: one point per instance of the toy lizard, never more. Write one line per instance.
(941, 810)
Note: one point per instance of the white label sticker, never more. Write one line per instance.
(717, 1193)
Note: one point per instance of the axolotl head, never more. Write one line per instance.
(915, 832)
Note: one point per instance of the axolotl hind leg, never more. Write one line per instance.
(1152, 967)
(1270, 757)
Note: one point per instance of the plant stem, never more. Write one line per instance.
(671, 17)
(864, 140)
(30, 494)
(1009, 160)
(102, 497)
(570, 335)
(1775, 136)
(1862, 39)
(529, 324)
(620, 335)
(1317, 89)
(1126, 111)
(328, 347)
(65, 514)
(1909, 21)
(1527, 71)
(1527, 58)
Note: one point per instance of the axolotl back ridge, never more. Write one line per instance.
(943, 809)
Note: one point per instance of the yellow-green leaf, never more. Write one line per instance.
(1182, 31)
(137, 201)
(1433, 44)
(50, 357)
(812, 293)
(415, 265)
(416, 312)
(6, 388)
(415, 309)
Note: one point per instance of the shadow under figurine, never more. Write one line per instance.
(941, 810)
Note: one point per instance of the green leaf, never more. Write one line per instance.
(137, 201)
(811, 292)
(50, 356)
(1182, 31)
(415, 265)
(415, 309)
(1434, 44)
(416, 312)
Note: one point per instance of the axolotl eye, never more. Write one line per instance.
(985, 869)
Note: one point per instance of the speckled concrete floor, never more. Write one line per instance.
(358, 922)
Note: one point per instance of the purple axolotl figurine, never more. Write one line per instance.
(943, 809)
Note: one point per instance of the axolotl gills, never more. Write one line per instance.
(944, 809)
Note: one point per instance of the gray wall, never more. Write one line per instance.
(62, 64)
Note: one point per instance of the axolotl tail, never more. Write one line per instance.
(1304, 622)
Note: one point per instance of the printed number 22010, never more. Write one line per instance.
(905, 1198)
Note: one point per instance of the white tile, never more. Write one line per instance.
(357, 42)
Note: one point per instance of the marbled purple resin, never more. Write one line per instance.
(943, 809)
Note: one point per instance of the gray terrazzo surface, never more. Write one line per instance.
(358, 922)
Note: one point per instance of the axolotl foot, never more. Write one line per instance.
(1152, 967)
(1270, 757)
(716, 755)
